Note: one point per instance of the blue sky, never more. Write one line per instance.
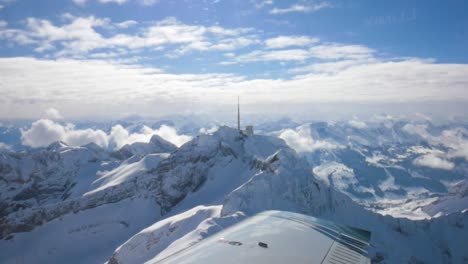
(126, 57)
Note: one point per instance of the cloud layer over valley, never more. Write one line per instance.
(43, 132)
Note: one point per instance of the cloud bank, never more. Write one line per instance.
(357, 124)
(113, 62)
(80, 36)
(31, 84)
(301, 140)
(301, 8)
(455, 140)
(433, 161)
(52, 113)
(208, 131)
(120, 136)
(449, 144)
(43, 132)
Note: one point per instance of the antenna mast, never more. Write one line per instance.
(238, 113)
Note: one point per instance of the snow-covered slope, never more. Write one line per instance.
(47, 176)
(173, 234)
(95, 179)
(70, 195)
(392, 167)
(86, 236)
(196, 190)
(280, 179)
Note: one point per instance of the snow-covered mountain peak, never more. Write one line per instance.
(207, 184)
(162, 145)
(156, 145)
(57, 146)
(227, 133)
(94, 147)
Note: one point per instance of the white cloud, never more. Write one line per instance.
(4, 3)
(119, 136)
(43, 132)
(113, 1)
(333, 67)
(79, 36)
(229, 55)
(3, 23)
(148, 2)
(433, 161)
(417, 129)
(339, 51)
(208, 131)
(301, 8)
(52, 113)
(301, 140)
(126, 24)
(119, 2)
(272, 55)
(225, 44)
(30, 83)
(357, 124)
(170, 134)
(289, 41)
(4, 146)
(461, 151)
(85, 136)
(263, 3)
(454, 139)
(80, 2)
(342, 56)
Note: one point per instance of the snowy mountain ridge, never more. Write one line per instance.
(231, 174)
(392, 167)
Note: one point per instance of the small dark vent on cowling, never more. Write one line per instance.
(344, 254)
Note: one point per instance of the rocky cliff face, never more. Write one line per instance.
(45, 177)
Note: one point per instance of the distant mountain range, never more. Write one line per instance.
(405, 182)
